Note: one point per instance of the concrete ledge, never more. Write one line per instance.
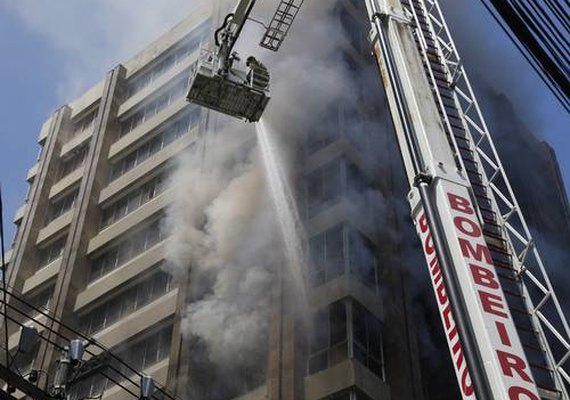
(344, 375)
(41, 276)
(133, 137)
(55, 227)
(44, 132)
(20, 213)
(119, 276)
(66, 182)
(158, 371)
(76, 141)
(32, 172)
(124, 224)
(134, 100)
(8, 256)
(163, 156)
(346, 286)
(87, 99)
(135, 323)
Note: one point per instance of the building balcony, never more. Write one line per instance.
(55, 227)
(139, 321)
(44, 132)
(64, 183)
(87, 99)
(344, 286)
(123, 144)
(344, 375)
(343, 209)
(134, 100)
(77, 141)
(41, 276)
(32, 172)
(134, 218)
(150, 164)
(158, 371)
(134, 267)
(19, 216)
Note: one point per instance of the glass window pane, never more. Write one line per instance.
(335, 252)
(337, 322)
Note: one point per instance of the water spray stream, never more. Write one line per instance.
(285, 207)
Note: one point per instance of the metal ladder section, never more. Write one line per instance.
(280, 24)
(541, 324)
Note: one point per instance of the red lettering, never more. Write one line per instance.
(458, 350)
(492, 304)
(441, 295)
(503, 334)
(428, 245)
(423, 223)
(479, 253)
(510, 362)
(447, 318)
(466, 384)
(467, 227)
(452, 333)
(435, 271)
(483, 276)
(460, 204)
(516, 392)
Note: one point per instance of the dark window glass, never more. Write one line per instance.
(126, 302)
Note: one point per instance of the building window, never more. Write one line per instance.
(172, 132)
(51, 253)
(126, 302)
(134, 200)
(63, 205)
(84, 124)
(140, 354)
(328, 183)
(324, 187)
(36, 304)
(355, 29)
(329, 339)
(367, 339)
(332, 328)
(129, 248)
(340, 250)
(174, 91)
(74, 162)
(169, 60)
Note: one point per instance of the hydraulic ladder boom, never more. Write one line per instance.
(464, 232)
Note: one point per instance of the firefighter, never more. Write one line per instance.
(258, 75)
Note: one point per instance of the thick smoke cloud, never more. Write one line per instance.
(223, 222)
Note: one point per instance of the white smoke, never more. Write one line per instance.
(224, 234)
(224, 229)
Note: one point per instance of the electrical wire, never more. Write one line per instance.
(82, 336)
(527, 39)
(4, 291)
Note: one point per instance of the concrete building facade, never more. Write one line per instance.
(90, 247)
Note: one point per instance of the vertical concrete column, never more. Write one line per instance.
(22, 266)
(180, 347)
(75, 267)
(285, 361)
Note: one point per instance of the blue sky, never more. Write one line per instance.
(54, 50)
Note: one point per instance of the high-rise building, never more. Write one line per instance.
(91, 246)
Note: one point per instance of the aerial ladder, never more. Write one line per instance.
(507, 334)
